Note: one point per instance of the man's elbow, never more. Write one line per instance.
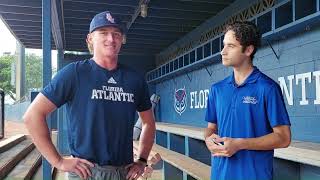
(286, 141)
(285, 144)
(26, 119)
(283, 136)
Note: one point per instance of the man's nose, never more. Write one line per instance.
(110, 37)
(223, 51)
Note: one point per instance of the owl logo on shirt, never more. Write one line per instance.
(180, 100)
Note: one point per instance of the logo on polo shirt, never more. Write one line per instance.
(249, 100)
(180, 100)
(112, 81)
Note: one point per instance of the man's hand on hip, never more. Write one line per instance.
(79, 166)
(136, 169)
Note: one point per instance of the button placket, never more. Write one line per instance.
(234, 97)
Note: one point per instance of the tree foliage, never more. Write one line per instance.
(5, 74)
(33, 73)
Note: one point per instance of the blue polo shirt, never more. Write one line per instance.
(246, 111)
(101, 108)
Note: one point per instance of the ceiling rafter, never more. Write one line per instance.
(166, 21)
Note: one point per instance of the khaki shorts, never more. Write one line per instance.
(103, 173)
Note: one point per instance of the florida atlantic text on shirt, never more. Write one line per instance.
(112, 94)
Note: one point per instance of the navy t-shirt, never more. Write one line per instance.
(101, 108)
(247, 111)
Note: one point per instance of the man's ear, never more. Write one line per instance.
(249, 50)
(124, 39)
(89, 38)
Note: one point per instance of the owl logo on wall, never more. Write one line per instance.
(180, 100)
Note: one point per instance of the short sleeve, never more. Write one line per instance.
(61, 88)
(211, 115)
(143, 102)
(276, 109)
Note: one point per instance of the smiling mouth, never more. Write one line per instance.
(110, 46)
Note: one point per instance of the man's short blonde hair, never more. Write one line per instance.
(90, 46)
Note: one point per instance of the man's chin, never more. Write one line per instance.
(225, 63)
(111, 54)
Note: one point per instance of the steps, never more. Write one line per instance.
(26, 167)
(38, 174)
(192, 167)
(19, 158)
(10, 142)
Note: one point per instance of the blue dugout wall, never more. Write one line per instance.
(296, 70)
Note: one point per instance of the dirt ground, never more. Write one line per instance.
(12, 128)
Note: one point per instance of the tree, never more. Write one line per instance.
(5, 75)
(33, 71)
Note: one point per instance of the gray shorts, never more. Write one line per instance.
(103, 173)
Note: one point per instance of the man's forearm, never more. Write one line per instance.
(146, 140)
(267, 142)
(208, 132)
(39, 133)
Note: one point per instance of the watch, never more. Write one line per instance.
(143, 161)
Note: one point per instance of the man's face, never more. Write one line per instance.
(232, 52)
(106, 41)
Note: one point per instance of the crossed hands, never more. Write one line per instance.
(222, 146)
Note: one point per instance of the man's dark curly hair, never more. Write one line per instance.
(247, 33)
